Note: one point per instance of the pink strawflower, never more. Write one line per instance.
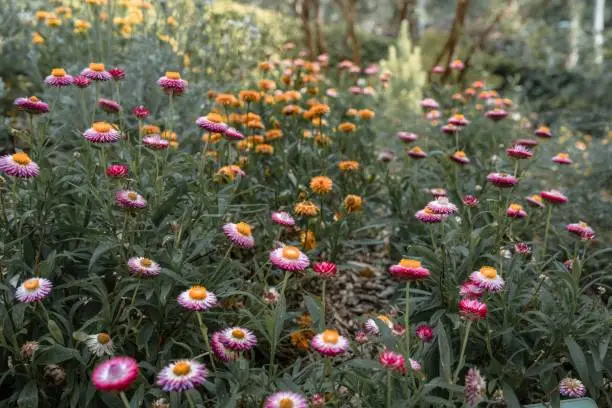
(392, 361)
(554, 197)
(398, 330)
(572, 388)
(450, 129)
(371, 70)
(409, 269)
(233, 134)
(470, 200)
(115, 374)
(109, 106)
(102, 132)
(271, 296)
(569, 264)
(220, 351)
(289, 258)
(286, 399)
(562, 158)
(581, 229)
(543, 132)
(209, 125)
(458, 120)
(355, 90)
(283, 218)
(81, 82)
(460, 157)
(407, 136)
(457, 65)
(519, 152)
(442, 206)
(475, 387)
(502, 180)
(32, 105)
(197, 298)
(130, 199)
(488, 278)
(330, 343)
(472, 309)
(141, 266)
(239, 234)
(117, 73)
(371, 325)
(496, 114)
(429, 103)
(433, 115)
(96, 72)
(527, 142)
(516, 211)
(424, 332)
(117, 170)
(361, 337)
(182, 375)
(58, 78)
(19, 165)
(522, 248)
(438, 69)
(427, 216)
(414, 365)
(33, 290)
(155, 142)
(535, 201)
(317, 401)
(238, 339)
(438, 193)
(417, 153)
(172, 84)
(470, 289)
(325, 269)
(386, 156)
(141, 112)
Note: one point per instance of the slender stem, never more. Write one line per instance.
(275, 329)
(190, 400)
(407, 319)
(462, 355)
(548, 217)
(125, 400)
(388, 405)
(323, 300)
(204, 331)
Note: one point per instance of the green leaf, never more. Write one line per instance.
(28, 397)
(56, 354)
(510, 397)
(365, 364)
(580, 363)
(315, 310)
(55, 331)
(445, 352)
(99, 251)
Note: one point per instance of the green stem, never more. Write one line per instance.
(323, 300)
(462, 355)
(190, 400)
(204, 331)
(124, 399)
(407, 319)
(388, 405)
(548, 217)
(275, 329)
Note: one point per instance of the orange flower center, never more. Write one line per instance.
(34, 99)
(583, 224)
(181, 368)
(31, 284)
(488, 272)
(331, 336)
(291, 252)
(410, 263)
(544, 129)
(286, 403)
(385, 319)
(94, 66)
(21, 158)
(58, 72)
(238, 334)
(173, 75)
(563, 156)
(427, 211)
(146, 262)
(244, 229)
(460, 153)
(536, 198)
(103, 338)
(132, 195)
(516, 207)
(101, 127)
(198, 293)
(458, 116)
(416, 149)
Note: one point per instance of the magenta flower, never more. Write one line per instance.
(289, 258)
(32, 105)
(330, 343)
(117, 170)
(19, 165)
(172, 84)
(409, 269)
(325, 269)
(141, 112)
(182, 375)
(33, 290)
(115, 374)
(96, 72)
(392, 361)
(424, 332)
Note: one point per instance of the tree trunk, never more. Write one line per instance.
(405, 10)
(421, 17)
(305, 17)
(320, 37)
(574, 34)
(349, 12)
(453, 38)
(598, 28)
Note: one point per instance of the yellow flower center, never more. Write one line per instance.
(58, 72)
(331, 336)
(583, 224)
(146, 262)
(427, 211)
(543, 129)
(198, 293)
(181, 368)
(34, 99)
(132, 195)
(173, 75)
(238, 334)
(101, 127)
(410, 263)
(536, 198)
(516, 207)
(291, 252)
(94, 66)
(458, 116)
(563, 156)
(244, 229)
(21, 158)
(385, 319)
(31, 284)
(488, 272)
(416, 149)
(286, 403)
(460, 153)
(103, 338)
